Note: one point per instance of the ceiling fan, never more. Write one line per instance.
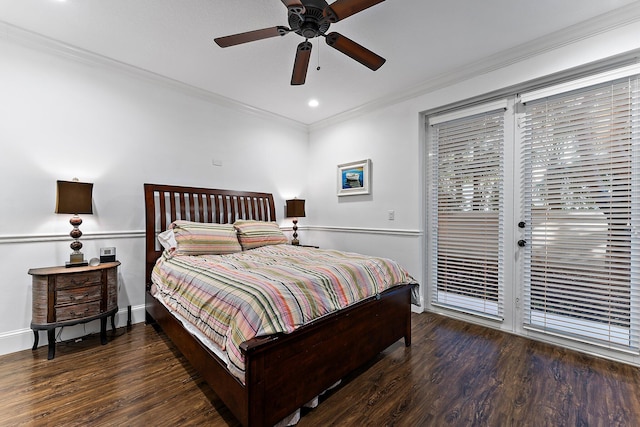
(310, 19)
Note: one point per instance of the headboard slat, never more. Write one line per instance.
(172, 204)
(163, 210)
(207, 203)
(247, 207)
(232, 205)
(192, 206)
(204, 205)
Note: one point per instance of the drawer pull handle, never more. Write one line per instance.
(80, 282)
(75, 298)
(73, 313)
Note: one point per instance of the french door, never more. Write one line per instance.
(467, 210)
(573, 186)
(581, 152)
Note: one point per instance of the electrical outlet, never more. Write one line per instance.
(391, 215)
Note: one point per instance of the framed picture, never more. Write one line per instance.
(354, 178)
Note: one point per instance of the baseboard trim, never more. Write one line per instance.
(22, 339)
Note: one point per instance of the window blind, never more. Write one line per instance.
(466, 213)
(581, 204)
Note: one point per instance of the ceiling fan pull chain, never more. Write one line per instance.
(318, 67)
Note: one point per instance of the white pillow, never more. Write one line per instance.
(168, 239)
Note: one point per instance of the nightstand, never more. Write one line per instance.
(68, 296)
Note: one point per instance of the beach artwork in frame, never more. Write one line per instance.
(354, 178)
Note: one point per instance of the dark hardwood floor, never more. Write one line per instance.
(454, 374)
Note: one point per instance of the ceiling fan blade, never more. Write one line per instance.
(355, 51)
(301, 64)
(342, 9)
(294, 6)
(251, 36)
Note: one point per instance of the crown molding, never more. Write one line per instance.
(601, 24)
(598, 25)
(49, 45)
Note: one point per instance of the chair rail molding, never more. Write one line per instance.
(58, 237)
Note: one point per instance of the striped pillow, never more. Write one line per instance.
(197, 238)
(253, 234)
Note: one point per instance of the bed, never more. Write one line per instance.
(321, 352)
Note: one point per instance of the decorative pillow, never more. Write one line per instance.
(253, 234)
(197, 238)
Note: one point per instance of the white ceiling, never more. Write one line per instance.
(422, 40)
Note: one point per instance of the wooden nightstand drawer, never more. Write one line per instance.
(77, 311)
(78, 295)
(79, 279)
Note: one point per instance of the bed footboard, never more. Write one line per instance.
(286, 371)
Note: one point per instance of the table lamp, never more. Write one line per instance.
(73, 197)
(295, 210)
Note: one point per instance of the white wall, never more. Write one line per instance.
(389, 137)
(393, 138)
(63, 117)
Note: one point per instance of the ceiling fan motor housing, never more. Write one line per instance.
(312, 23)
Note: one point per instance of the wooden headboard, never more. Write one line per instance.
(166, 203)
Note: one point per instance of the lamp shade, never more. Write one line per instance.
(74, 197)
(295, 208)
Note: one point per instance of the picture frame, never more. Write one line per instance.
(354, 178)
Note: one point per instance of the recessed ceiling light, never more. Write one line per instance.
(313, 103)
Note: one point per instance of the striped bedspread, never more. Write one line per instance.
(267, 290)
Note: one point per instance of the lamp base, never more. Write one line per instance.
(76, 259)
(76, 264)
(294, 240)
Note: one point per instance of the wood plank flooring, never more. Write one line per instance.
(454, 374)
